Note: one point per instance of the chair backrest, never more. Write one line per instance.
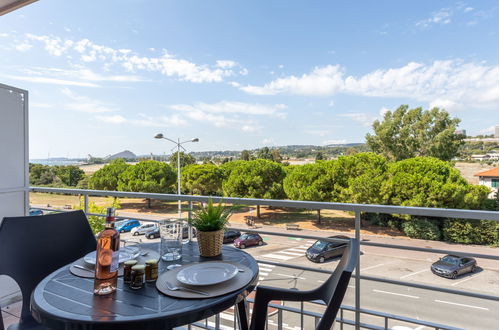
(33, 247)
(333, 290)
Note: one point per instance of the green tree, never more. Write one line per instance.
(309, 182)
(255, 179)
(203, 179)
(245, 155)
(107, 178)
(319, 156)
(276, 155)
(41, 175)
(358, 178)
(97, 222)
(406, 133)
(228, 167)
(70, 175)
(264, 153)
(185, 159)
(148, 176)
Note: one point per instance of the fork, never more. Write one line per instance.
(175, 288)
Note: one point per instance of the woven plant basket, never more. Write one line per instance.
(210, 242)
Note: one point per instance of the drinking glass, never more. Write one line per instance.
(171, 239)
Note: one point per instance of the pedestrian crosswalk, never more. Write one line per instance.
(290, 253)
(264, 270)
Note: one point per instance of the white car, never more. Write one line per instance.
(141, 230)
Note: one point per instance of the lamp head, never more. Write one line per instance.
(195, 140)
(158, 136)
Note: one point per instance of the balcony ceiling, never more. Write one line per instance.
(7, 6)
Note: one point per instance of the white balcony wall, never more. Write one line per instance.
(14, 160)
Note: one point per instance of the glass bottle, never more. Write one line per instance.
(107, 257)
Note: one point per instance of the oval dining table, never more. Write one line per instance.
(65, 301)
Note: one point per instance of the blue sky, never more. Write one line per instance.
(105, 76)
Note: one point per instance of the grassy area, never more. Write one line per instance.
(331, 220)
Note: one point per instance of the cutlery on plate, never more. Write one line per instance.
(240, 270)
(144, 253)
(84, 268)
(175, 288)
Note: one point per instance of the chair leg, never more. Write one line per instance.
(242, 313)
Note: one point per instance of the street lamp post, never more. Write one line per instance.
(178, 146)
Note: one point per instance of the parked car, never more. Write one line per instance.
(452, 266)
(154, 233)
(126, 225)
(230, 235)
(35, 212)
(142, 229)
(248, 239)
(320, 251)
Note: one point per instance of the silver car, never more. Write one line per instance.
(141, 230)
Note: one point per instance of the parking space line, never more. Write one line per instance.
(371, 267)
(292, 253)
(396, 294)
(276, 256)
(418, 272)
(462, 305)
(292, 276)
(464, 280)
(297, 249)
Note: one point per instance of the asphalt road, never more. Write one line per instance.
(420, 304)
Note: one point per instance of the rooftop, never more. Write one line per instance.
(492, 172)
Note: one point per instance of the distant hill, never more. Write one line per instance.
(124, 154)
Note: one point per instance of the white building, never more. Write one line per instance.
(496, 133)
(489, 179)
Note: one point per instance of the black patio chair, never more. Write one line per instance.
(33, 247)
(331, 292)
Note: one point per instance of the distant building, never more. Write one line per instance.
(460, 132)
(496, 133)
(489, 179)
(488, 156)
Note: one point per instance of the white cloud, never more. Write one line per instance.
(54, 81)
(113, 119)
(328, 142)
(442, 16)
(360, 117)
(85, 104)
(468, 9)
(488, 130)
(450, 83)
(24, 47)
(321, 81)
(166, 64)
(269, 142)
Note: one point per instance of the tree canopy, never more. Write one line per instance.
(406, 133)
(203, 179)
(148, 176)
(185, 159)
(107, 178)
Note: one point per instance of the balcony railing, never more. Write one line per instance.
(349, 316)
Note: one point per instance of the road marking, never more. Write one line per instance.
(418, 272)
(321, 281)
(396, 294)
(276, 256)
(292, 276)
(311, 242)
(265, 265)
(291, 253)
(466, 279)
(267, 270)
(371, 267)
(298, 249)
(263, 273)
(463, 305)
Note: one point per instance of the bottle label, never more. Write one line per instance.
(116, 261)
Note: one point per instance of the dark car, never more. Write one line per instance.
(248, 239)
(320, 251)
(231, 235)
(452, 266)
(126, 225)
(154, 233)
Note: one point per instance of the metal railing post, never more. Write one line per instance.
(189, 217)
(279, 319)
(85, 203)
(357, 272)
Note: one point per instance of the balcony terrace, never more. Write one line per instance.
(376, 298)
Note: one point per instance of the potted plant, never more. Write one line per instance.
(210, 222)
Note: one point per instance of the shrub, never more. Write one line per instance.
(422, 229)
(471, 231)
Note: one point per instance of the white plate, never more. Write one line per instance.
(126, 253)
(207, 273)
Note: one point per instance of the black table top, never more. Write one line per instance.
(64, 301)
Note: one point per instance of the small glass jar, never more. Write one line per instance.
(138, 277)
(127, 271)
(151, 270)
